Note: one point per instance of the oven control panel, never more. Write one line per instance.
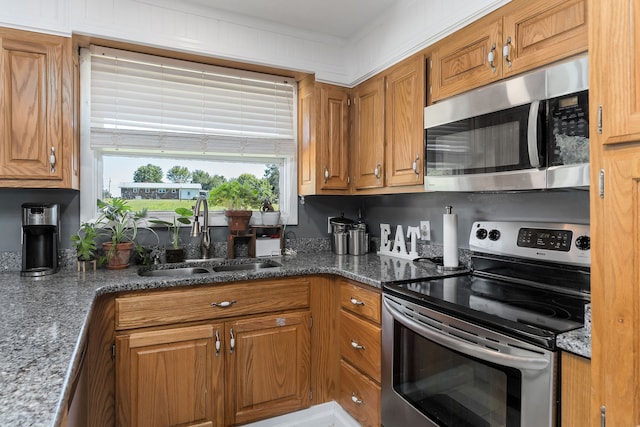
(554, 242)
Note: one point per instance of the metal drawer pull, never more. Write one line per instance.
(355, 399)
(356, 302)
(491, 58)
(232, 341)
(217, 344)
(223, 304)
(357, 346)
(52, 159)
(505, 51)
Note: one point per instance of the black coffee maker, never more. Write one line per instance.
(40, 239)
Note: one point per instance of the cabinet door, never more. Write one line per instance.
(268, 366)
(368, 141)
(615, 78)
(404, 127)
(307, 137)
(461, 62)
(538, 33)
(170, 377)
(36, 107)
(333, 155)
(575, 390)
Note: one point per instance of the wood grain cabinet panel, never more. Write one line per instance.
(169, 378)
(359, 396)
(361, 301)
(368, 138)
(519, 37)
(37, 110)
(404, 129)
(323, 138)
(164, 308)
(575, 392)
(360, 344)
(268, 369)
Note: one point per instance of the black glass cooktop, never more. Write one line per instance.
(527, 312)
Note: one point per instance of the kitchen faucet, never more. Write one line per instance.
(196, 230)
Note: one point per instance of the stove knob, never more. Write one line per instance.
(494, 235)
(481, 233)
(583, 243)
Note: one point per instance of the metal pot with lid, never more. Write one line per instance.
(340, 227)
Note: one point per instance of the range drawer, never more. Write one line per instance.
(360, 344)
(359, 396)
(361, 301)
(193, 304)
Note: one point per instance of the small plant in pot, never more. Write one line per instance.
(238, 200)
(270, 216)
(84, 242)
(175, 252)
(119, 223)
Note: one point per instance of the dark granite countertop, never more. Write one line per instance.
(44, 320)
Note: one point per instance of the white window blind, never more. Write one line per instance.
(144, 103)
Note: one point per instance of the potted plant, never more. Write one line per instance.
(175, 253)
(238, 200)
(84, 242)
(119, 223)
(270, 216)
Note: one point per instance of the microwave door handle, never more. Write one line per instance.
(518, 362)
(532, 135)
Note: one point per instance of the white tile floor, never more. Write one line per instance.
(326, 415)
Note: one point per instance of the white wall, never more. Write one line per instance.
(408, 26)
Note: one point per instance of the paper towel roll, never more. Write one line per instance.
(450, 237)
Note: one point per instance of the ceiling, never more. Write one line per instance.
(338, 18)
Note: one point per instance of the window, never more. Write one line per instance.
(190, 124)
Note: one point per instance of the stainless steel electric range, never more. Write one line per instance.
(479, 348)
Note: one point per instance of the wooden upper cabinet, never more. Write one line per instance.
(614, 69)
(461, 61)
(333, 146)
(519, 37)
(37, 110)
(404, 128)
(323, 138)
(368, 137)
(541, 32)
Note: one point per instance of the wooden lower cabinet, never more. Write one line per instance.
(214, 374)
(575, 390)
(268, 369)
(360, 352)
(222, 367)
(170, 377)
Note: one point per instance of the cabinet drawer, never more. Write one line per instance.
(192, 304)
(363, 302)
(359, 396)
(360, 344)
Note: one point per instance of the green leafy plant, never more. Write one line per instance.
(235, 196)
(119, 223)
(84, 242)
(183, 216)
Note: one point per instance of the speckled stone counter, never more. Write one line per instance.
(578, 341)
(44, 321)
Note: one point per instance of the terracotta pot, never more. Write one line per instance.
(120, 257)
(238, 221)
(174, 255)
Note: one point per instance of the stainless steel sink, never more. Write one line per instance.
(176, 272)
(248, 266)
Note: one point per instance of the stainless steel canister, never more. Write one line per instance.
(340, 234)
(358, 241)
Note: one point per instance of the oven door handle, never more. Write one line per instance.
(518, 362)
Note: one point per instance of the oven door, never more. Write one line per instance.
(442, 371)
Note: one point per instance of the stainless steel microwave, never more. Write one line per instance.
(525, 133)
